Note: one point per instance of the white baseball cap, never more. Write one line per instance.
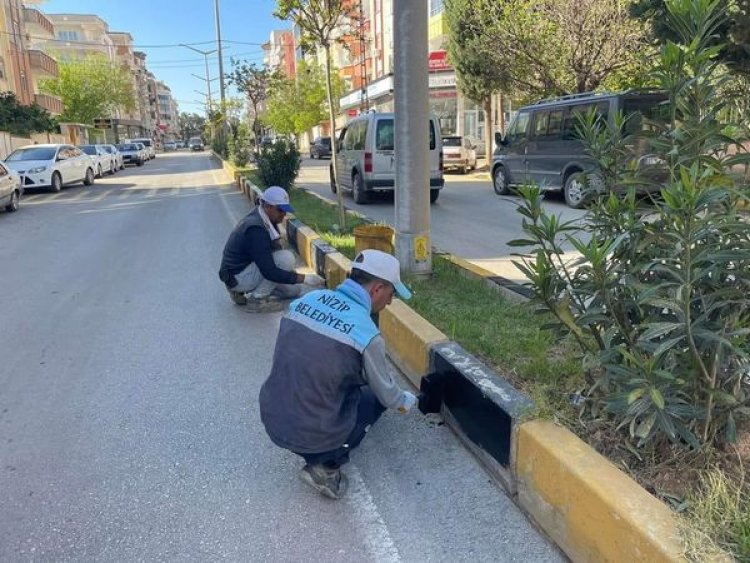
(384, 266)
(276, 195)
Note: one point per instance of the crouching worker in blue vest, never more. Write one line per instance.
(330, 380)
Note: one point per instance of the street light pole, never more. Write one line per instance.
(218, 47)
(208, 79)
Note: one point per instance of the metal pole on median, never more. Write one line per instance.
(412, 221)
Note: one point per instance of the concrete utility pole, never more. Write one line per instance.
(413, 248)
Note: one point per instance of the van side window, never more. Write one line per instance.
(384, 135)
(349, 137)
(540, 123)
(360, 134)
(518, 128)
(554, 127)
(577, 112)
(432, 135)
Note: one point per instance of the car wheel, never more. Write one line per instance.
(56, 182)
(575, 190)
(13, 204)
(359, 195)
(88, 179)
(462, 170)
(434, 195)
(500, 181)
(139, 162)
(111, 168)
(98, 170)
(333, 180)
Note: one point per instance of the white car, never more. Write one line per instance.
(51, 166)
(459, 153)
(100, 159)
(11, 189)
(115, 156)
(143, 150)
(148, 144)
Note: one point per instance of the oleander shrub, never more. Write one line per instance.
(278, 164)
(658, 298)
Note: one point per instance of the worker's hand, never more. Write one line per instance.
(314, 280)
(407, 402)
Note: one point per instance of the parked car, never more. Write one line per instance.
(266, 142)
(170, 146)
(148, 143)
(180, 144)
(480, 147)
(51, 166)
(115, 156)
(542, 145)
(366, 158)
(11, 189)
(145, 153)
(195, 144)
(100, 159)
(132, 153)
(321, 148)
(459, 153)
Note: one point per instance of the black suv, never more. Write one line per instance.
(542, 146)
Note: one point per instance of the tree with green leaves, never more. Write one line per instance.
(296, 105)
(733, 35)
(19, 119)
(190, 125)
(90, 88)
(253, 81)
(479, 70)
(557, 47)
(322, 23)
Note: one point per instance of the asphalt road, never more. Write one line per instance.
(129, 427)
(468, 219)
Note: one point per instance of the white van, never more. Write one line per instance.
(366, 157)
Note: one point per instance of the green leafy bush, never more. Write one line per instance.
(278, 164)
(659, 296)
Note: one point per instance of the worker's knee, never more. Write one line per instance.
(284, 259)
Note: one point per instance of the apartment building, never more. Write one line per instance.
(40, 31)
(15, 66)
(130, 120)
(80, 35)
(279, 52)
(371, 68)
(168, 111)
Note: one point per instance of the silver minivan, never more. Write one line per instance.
(366, 157)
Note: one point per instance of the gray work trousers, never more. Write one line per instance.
(250, 280)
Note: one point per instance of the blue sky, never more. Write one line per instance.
(169, 22)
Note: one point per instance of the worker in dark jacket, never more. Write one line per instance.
(330, 380)
(253, 261)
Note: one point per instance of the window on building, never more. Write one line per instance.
(67, 35)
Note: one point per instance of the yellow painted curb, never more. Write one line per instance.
(472, 270)
(305, 236)
(591, 509)
(336, 268)
(408, 339)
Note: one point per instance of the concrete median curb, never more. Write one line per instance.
(591, 509)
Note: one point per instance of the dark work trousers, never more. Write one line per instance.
(368, 412)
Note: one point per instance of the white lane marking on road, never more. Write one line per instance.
(377, 538)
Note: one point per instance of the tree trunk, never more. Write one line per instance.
(332, 119)
(488, 131)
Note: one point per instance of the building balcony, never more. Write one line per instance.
(41, 61)
(52, 104)
(36, 18)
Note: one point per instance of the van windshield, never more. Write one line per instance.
(451, 141)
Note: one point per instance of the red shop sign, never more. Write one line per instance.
(438, 61)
